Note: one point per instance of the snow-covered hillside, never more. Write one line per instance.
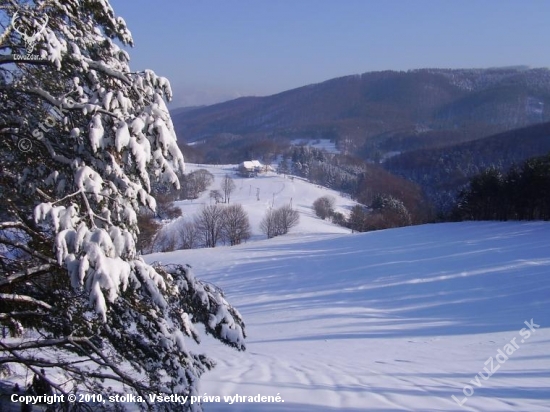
(395, 320)
(273, 190)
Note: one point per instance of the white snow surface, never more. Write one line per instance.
(394, 320)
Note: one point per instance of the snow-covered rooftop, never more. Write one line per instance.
(251, 164)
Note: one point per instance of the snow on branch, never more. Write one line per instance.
(102, 139)
(27, 249)
(24, 299)
(25, 274)
(207, 305)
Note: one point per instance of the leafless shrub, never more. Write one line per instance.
(268, 225)
(324, 206)
(188, 235)
(216, 195)
(194, 183)
(228, 186)
(209, 224)
(236, 226)
(279, 221)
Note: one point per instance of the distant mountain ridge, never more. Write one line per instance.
(383, 111)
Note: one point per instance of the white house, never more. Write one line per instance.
(251, 167)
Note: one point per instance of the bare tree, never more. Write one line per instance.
(203, 178)
(279, 221)
(188, 234)
(324, 206)
(228, 186)
(285, 219)
(357, 218)
(209, 223)
(176, 235)
(194, 183)
(165, 240)
(166, 208)
(268, 225)
(236, 226)
(216, 195)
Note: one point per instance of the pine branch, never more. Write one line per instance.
(10, 58)
(27, 249)
(108, 71)
(24, 299)
(91, 213)
(44, 195)
(12, 315)
(25, 274)
(17, 225)
(46, 343)
(123, 377)
(32, 367)
(59, 103)
(79, 343)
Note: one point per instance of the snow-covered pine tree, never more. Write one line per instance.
(82, 139)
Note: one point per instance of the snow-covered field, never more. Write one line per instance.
(274, 191)
(395, 320)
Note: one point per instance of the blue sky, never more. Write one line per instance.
(214, 50)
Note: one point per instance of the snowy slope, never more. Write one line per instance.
(395, 320)
(274, 191)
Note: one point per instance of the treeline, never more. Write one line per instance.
(384, 212)
(361, 181)
(442, 172)
(347, 174)
(227, 148)
(219, 224)
(523, 193)
(335, 171)
(213, 224)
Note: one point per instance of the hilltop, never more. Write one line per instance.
(380, 111)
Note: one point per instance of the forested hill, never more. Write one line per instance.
(442, 171)
(384, 111)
